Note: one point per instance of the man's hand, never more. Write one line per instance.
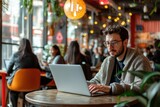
(93, 88)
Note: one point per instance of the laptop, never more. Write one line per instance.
(71, 79)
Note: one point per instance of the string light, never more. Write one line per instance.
(89, 17)
(91, 31)
(130, 13)
(109, 17)
(95, 22)
(104, 25)
(106, 6)
(119, 7)
(119, 14)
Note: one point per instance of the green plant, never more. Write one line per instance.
(154, 9)
(46, 54)
(149, 94)
(56, 7)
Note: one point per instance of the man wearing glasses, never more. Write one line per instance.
(121, 58)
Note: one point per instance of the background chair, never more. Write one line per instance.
(51, 84)
(25, 80)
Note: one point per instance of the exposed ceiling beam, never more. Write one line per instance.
(114, 5)
(91, 8)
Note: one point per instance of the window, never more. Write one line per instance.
(16, 24)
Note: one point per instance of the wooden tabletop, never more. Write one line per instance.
(49, 98)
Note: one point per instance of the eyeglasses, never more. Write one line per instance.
(112, 43)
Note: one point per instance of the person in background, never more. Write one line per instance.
(86, 52)
(156, 55)
(101, 53)
(96, 58)
(74, 56)
(148, 53)
(23, 58)
(91, 47)
(55, 59)
(121, 58)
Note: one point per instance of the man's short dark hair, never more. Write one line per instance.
(122, 31)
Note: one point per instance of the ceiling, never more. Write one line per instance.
(133, 6)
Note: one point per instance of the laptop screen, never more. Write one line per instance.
(70, 78)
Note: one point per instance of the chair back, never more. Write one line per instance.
(25, 80)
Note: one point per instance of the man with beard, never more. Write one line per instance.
(121, 58)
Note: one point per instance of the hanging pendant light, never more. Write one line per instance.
(75, 9)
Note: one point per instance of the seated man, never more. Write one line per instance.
(121, 58)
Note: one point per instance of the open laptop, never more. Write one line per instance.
(70, 78)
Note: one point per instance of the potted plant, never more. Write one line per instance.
(149, 94)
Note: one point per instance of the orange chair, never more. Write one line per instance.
(51, 83)
(25, 80)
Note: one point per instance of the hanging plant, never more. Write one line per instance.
(154, 9)
(28, 4)
(56, 7)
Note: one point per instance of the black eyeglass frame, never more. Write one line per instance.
(112, 43)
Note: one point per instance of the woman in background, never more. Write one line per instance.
(55, 59)
(23, 58)
(74, 56)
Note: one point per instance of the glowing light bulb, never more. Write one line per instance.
(74, 9)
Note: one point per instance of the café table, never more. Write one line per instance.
(54, 98)
(3, 75)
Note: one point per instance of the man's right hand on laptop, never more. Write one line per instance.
(93, 88)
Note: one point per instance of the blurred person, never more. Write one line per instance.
(96, 58)
(74, 56)
(156, 55)
(88, 55)
(147, 53)
(101, 53)
(91, 47)
(121, 58)
(23, 58)
(56, 58)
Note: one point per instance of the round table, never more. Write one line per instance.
(53, 98)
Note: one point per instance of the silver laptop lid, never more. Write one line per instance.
(69, 78)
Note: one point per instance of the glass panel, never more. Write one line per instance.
(13, 22)
(38, 52)
(37, 23)
(38, 28)
(7, 51)
(14, 27)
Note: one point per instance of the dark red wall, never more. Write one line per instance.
(148, 26)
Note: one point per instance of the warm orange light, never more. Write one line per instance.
(75, 9)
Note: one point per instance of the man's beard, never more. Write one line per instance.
(121, 52)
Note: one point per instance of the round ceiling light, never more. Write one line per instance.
(74, 9)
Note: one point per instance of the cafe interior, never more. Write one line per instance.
(49, 22)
